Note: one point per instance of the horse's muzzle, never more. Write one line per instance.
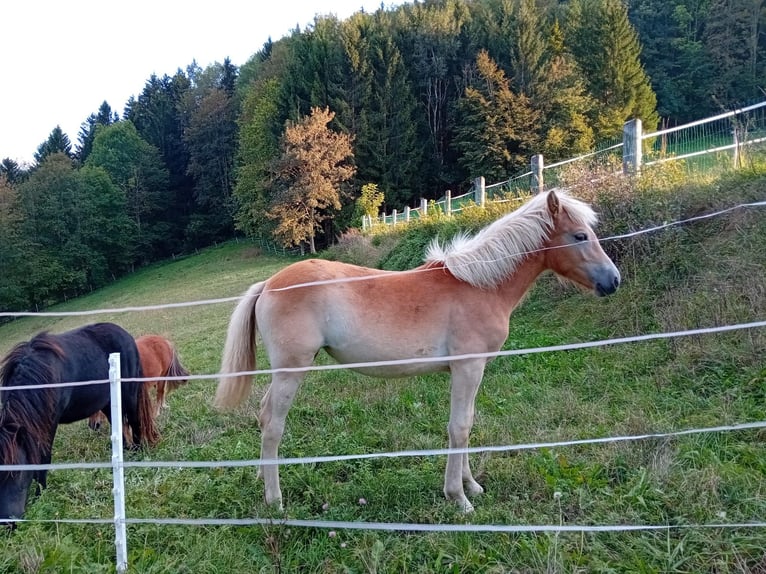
(607, 286)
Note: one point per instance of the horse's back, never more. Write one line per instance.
(318, 270)
(156, 354)
(88, 348)
(356, 314)
(86, 358)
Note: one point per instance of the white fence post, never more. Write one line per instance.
(479, 191)
(537, 184)
(423, 207)
(393, 217)
(118, 471)
(448, 202)
(631, 145)
(407, 213)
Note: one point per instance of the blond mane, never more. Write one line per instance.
(487, 258)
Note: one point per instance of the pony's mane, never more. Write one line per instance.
(487, 258)
(25, 416)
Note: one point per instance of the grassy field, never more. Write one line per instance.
(699, 275)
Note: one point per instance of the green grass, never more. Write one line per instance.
(710, 273)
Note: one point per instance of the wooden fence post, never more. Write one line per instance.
(537, 184)
(737, 157)
(631, 147)
(479, 191)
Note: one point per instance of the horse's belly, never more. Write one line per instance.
(392, 363)
(83, 402)
(408, 370)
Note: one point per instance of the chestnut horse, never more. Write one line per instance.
(158, 359)
(29, 417)
(458, 303)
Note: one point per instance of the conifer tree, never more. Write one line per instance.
(57, 142)
(606, 47)
(104, 117)
(496, 130)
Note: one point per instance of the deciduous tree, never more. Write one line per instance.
(136, 168)
(309, 177)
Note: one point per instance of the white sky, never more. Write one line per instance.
(62, 58)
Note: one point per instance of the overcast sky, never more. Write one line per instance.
(62, 58)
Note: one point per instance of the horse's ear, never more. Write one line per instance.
(553, 203)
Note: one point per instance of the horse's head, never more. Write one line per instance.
(573, 251)
(14, 484)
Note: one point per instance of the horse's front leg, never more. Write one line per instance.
(466, 378)
(274, 407)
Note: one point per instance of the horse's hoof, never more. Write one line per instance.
(465, 506)
(473, 488)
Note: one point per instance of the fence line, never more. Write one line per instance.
(406, 526)
(339, 366)
(421, 360)
(257, 462)
(633, 142)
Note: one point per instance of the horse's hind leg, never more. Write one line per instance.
(131, 430)
(160, 404)
(274, 407)
(96, 421)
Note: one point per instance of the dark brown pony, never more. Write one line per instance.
(29, 417)
(159, 358)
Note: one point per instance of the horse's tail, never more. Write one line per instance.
(150, 434)
(176, 369)
(239, 351)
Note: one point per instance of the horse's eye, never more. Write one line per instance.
(581, 236)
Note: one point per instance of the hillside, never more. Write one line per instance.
(700, 274)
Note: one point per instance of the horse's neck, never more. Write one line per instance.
(517, 284)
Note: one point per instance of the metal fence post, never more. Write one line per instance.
(118, 471)
(631, 145)
(537, 184)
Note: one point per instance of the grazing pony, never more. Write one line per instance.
(159, 358)
(458, 303)
(29, 417)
